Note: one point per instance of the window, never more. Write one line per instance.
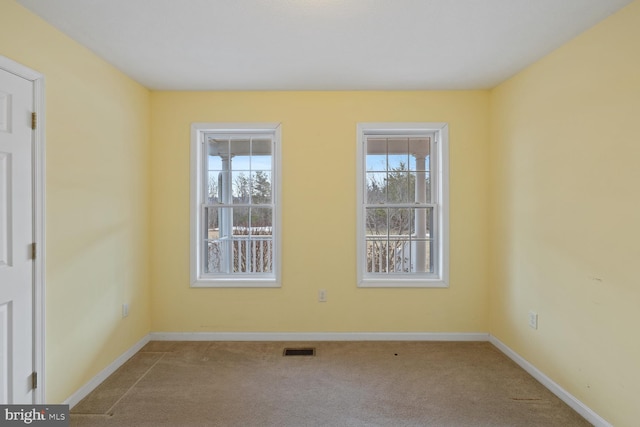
(403, 205)
(235, 205)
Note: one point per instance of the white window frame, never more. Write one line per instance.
(198, 187)
(440, 162)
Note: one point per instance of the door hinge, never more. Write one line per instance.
(33, 251)
(34, 120)
(34, 380)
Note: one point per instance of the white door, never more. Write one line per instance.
(16, 237)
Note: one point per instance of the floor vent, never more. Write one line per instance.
(309, 351)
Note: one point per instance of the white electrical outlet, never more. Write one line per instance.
(533, 319)
(322, 295)
(125, 310)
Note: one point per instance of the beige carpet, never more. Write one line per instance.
(344, 384)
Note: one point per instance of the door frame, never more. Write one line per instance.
(38, 173)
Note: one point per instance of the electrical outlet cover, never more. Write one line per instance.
(533, 319)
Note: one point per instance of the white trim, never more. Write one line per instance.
(94, 382)
(403, 282)
(552, 386)
(244, 281)
(318, 336)
(418, 280)
(18, 69)
(39, 219)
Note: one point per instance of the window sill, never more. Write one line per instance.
(402, 283)
(235, 283)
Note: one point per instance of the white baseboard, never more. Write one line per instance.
(553, 387)
(317, 336)
(94, 382)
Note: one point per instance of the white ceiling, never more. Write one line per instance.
(322, 44)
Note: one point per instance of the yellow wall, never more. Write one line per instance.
(543, 178)
(564, 215)
(319, 215)
(97, 184)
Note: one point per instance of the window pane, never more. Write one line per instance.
(399, 235)
(398, 149)
(377, 163)
(421, 256)
(241, 164)
(400, 222)
(376, 254)
(388, 256)
(398, 162)
(241, 188)
(214, 242)
(422, 223)
(214, 162)
(423, 239)
(212, 223)
(377, 224)
(252, 243)
(399, 256)
(240, 221)
(376, 240)
(214, 187)
(215, 259)
(261, 221)
(241, 256)
(427, 179)
(398, 187)
(376, 187)
(261, 163)
(261, 246)
(376, 157)
(260, 252)
(241, 231)
(261, 187)
(419, 150)
(419, 187)
(218, 188)
(218, 148)
(241, 149)
(261, 154)
(225, 221)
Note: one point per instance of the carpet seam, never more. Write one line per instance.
(134, 384)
